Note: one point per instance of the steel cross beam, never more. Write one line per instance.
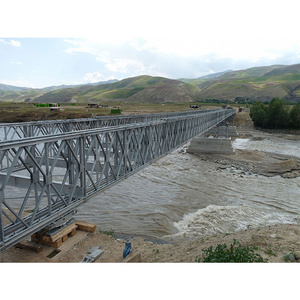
(10, 131)
(43, 179)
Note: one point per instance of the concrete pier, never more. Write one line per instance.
(225, 131)
(210, 145)
(215, 141)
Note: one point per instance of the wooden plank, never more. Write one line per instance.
(55, 244)
(30, 245)
(65, 238)
(61, 234)
(85, 226)
(72, 233)
(34, 239)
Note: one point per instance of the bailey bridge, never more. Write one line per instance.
(49, 168)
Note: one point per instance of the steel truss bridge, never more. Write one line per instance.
(49, 168)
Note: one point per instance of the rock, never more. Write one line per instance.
(223, 167)
(297, 254)
(273, 235)
(289, 257)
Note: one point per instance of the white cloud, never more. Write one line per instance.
(95, 77)
(16, 63)
(197, 38)
(15, 43)
(11, 42)
(78, 49)
(125, 66)
(72, 42)
(20, 81)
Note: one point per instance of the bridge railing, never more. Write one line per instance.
(11, 131)
(45, 178)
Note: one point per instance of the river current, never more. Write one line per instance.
(181, 196)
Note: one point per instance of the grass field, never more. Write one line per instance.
(25, 112)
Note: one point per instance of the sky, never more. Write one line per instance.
(45, 43)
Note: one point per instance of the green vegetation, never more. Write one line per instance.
(136, 89)
(270, 252)
(115, 111)
(44, 104)
(110, 232)
(258, 114)
(275, 116)
(295, 116)
(289, 257)
(254, 84)
(234, 253)
(25, 112)
(121, 93)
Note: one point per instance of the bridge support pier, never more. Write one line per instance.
(215, 141)
(210, 145)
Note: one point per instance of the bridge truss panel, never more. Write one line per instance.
(12, 131)
(44, 178)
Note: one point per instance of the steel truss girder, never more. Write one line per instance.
(54, 174)
(11, 131)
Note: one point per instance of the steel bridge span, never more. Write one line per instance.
(9, 131)
(48, 169)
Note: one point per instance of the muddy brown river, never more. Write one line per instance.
(182, 196)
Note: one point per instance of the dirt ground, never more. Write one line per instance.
(273, 242)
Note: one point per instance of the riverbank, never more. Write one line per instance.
(273, 243)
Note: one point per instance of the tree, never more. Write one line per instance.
(278, 114)
(295, 116)
(258, 114)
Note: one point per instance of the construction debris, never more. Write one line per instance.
(93, 254)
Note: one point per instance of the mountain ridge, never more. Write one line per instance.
(252, 84)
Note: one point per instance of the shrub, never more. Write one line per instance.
(234, 253)
(258, 114)
(278, 114)
(295, 116)
(110, 232)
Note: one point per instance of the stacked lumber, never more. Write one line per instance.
(56, 238)
(45, 238)
(85, 226)
(30, 245)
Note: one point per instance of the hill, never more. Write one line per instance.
(253, 84)
(135, 89)
(260, 83)
(202, 78)
(21, 94)
(5, 87)
(59, 87)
